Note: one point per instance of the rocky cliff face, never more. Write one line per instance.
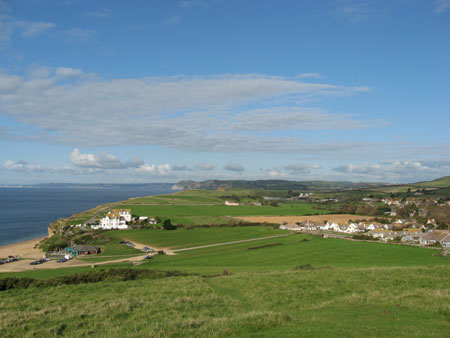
(55, 227)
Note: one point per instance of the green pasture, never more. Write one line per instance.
(186, 238)
(337, 302)
(294, 251)
(188, 214)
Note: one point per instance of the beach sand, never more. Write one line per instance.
(22, 249)
(28, 253)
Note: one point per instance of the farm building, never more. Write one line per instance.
(83, 250)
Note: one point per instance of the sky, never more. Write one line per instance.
(96, 91)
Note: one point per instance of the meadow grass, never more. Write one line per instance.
(338, 302)
(304, 286)
(295, 251)
(182, 213)
(185, 238)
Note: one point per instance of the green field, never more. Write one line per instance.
(295, 286)
(339, 302)
(209, 214)
(185, 238)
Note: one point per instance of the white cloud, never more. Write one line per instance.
(400, 170)
(442, 5)
(34, 28)
(135, 162)
(102, 161)
(9, 25)
(96, 112)
(28, 167)
(181, 168)
(77, 34)
(236, 167)
(22, 166)
(275, 173)
(154, 170)
(68, 72)
(301, 168)
(204, 166)
(284, 118)
(309, 76)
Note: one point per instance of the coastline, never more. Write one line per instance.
(24, 249)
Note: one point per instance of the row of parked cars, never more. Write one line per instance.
(127, 243)
(40, 261)
(10, 259)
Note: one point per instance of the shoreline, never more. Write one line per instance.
(22, 249)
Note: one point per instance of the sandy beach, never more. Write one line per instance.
(27, 251)
(24, 249)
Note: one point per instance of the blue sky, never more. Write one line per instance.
(160, 91)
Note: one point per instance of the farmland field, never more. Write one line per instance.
(200, 214)
(295, 286)
(185, 238)
(299, 285)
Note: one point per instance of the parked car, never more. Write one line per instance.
(62, 260)
(161, 252)
(148, 257)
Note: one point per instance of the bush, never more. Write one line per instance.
(88, 277)
(167, 225)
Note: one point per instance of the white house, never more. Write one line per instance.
(231, 203)
(115, 219)
(333, 226)
(125, 213)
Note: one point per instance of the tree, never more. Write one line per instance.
(167, 225)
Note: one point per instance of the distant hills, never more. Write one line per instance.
(319, 186)
(324, 186)
(275, 185)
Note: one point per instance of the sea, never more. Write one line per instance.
(25, 213)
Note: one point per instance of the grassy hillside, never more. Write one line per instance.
(295, 286)
(440, 183)
(374, 302)
(198, 207)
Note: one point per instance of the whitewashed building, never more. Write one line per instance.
(115, 219)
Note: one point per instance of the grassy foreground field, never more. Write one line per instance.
(295, 286)
(337, 302)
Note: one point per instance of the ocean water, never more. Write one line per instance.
(25, 213)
